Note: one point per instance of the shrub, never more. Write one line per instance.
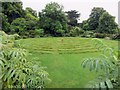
(99, 35)
(102, 35)
(24, 37)
(35, 33)
(40, 32)
(87, 34)
(115, 36)
(16, 36)
(3, 36)
(81, 31)
(16, 71)
(75, 31)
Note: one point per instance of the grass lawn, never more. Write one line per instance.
(63, 57)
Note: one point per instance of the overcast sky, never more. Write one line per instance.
(83, 6)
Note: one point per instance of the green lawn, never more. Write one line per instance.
(63, 57)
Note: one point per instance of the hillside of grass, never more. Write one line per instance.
(63, 57)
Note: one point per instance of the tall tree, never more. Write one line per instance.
(85, 25)
(73, 15)
(31, 11)
(93, 20)
(107, 24)
(31, 18)
(53, 19)
(5, 26)
(101, 21)
(13, 10)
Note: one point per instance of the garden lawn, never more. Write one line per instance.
(63, 57)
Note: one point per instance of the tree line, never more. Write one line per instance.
(54, 21)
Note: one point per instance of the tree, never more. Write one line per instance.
(53, 19)
(24, 27)
(31, 11)
(31, 19)
(85, 25)
(100, 21)
(18, 26)
(10, 11)
(5, 26)
(107, 24)
(93, 20)
(13, 10)
(73, 15)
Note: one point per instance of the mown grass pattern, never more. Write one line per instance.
(63, 57)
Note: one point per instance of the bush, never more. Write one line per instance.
(87, 34)
(3, 36)
(16, 36)
(24, 37)
(81, 31)
(102, 35)
(99, 35)
(75, 31)
(115, 36)
(40, 32)
(35, 33)
(17, 71)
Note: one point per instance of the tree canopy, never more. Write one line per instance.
(53, 19)
(72, 16)
(107, 24)
(100, 21)
(13, 10)
(93, 20)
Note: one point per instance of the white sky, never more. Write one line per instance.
(83, 6)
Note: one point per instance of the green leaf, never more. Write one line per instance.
(11, 75)
(102, 85)
(1, 76)
(1, 63)
(92, 65)
(109, 83)
(96, 65)
(84, 63)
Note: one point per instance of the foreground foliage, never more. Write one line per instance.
(107, 62)
(16, 70)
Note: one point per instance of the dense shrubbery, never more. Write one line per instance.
(88, 34)
(116, 36)
(101, 35)
(74, 31)
(35, 33)
(16, 71)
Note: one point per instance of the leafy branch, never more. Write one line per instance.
(16, 70)
(106, 62)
